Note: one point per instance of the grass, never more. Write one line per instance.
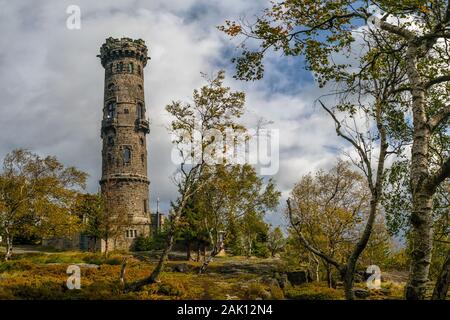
(43, 276)
(314, 291)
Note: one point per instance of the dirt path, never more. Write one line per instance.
(28, 249)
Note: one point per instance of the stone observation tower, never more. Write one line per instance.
(124, 181)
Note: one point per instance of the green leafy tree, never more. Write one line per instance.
(235, 197)
(101, 219)
(327, 212)
(90, 209)
(37, 196)
(276, 241)
(255, 235)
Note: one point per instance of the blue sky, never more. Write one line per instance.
(51, 83)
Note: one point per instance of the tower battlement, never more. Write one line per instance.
(114, 49)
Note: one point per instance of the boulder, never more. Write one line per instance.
(361, 293)
(298, 277)
(283, 281)
(382, 291)
(268, 280)
(182, 267)
(88, 265)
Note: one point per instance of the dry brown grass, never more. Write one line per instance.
(43, 276)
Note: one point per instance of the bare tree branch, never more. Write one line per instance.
(440, 117)
(360, 150)
(306, 243)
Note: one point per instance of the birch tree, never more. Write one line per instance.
(416, 32)
(196, 128)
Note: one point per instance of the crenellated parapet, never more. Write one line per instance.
(114, 49)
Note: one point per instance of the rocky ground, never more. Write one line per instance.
(34, 273)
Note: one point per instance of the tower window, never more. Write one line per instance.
(145, 206)
(109, 158)
(126, 111)
(142, 159)
(139, 70)
(140, 87)
(111, 86)
(126, 155)
(130, 67)
(111, 66)
(131, 233)
(110, 141)
(111, 110)
(120, 66)
(141, 140)
(140, 111)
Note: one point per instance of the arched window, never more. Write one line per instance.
(111, 110)
(130, 67)
(126, 155)
(121, 66)
(117, 67)
(126, 111)
(140, 111)
(139, 70)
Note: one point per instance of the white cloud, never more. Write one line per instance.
(52, 83)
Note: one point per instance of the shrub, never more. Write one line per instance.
(256, 291)
(312, 291)
(174, 289)
(276, 292)
(99, 259)
(169, 290)
(94, 258)
(16, 266)
(143, 244)
(155, 242)
(43, 291)
(114, 261)
(261, 250)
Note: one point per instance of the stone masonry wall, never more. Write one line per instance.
(124, 128)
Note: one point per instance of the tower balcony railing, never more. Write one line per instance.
(109, 122)
(143, 124)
